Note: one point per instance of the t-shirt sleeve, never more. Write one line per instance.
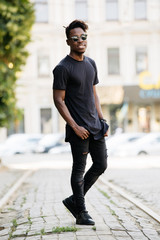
(96, 80)
(60, 77)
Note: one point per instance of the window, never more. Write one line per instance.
(81, 9)
(113, 61)
(141, 59)
(41, 11)
(111, 10)
(43, 66)
(46, 120)
(144, 118)
(140, 9)
(16, 126)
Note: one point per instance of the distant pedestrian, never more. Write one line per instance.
(74, 94)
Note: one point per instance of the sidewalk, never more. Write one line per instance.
(37, 213)
(7, 178)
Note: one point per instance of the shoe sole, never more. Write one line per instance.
(85, 223)
(69, 208)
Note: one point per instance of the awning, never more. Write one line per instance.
(135, 94)
(110, 94)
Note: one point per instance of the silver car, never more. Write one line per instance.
(149, 144)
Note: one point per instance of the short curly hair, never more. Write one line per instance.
(76, 24)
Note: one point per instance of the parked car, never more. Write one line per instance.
(19, 144)
(148, 144)
(115, 142)
(49, 141)
(63, 148)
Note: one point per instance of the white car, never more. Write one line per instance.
(115, 141)
(19, 143)
(49, 141)
(149, 144)
(64, 148)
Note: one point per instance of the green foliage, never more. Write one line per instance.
(64, 229)
(14, 222)
(42, 231)
(16, 20)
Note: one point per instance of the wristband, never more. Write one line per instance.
(103, 120)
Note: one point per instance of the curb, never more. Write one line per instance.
(14, 188)
(136, 202)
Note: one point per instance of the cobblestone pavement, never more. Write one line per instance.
(37, 213)
(7, 178)
(144, 184)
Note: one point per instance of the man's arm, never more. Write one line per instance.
(98, 106)
(58, 97)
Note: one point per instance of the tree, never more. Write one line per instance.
(16, 20)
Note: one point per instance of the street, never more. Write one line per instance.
(140, 176)
(36, 207)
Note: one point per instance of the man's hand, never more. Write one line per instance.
(106, 134)
(81, 132)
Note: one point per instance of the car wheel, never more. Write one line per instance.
(142, 153)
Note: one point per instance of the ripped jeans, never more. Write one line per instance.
(81, 181)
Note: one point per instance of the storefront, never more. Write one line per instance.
(143, 113)
(131, 108)
(111, 100)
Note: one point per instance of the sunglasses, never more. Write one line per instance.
(83, 37)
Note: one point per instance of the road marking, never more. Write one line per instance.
(14, 188)
(140, 205)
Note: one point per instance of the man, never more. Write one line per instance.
(75, 97)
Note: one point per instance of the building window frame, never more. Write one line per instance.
(81, 9)
(111, 10)
(46, 126)
(41, 11)
(113, 59)
(141, 59)
(17, 125)
(43, 65)
(140, 10)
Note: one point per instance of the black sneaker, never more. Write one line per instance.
(70, 205)
(83, 218)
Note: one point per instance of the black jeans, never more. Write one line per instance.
(81, 183)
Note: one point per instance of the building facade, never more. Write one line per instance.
(123, 39)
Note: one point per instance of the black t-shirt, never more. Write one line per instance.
(77, 79)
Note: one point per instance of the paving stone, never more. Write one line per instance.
(87, 238)
(115, 226)
(155, 238)
(7, 178)
(136, 234)
(36, 227)
(33, 238)
(67, 236)
(22, 221)
(103, 233)
(143, 183)
(115, 218)
(48, 227)
(86, 232)
(4, 237)
(120, 233)
(123, 238)
(4, 232)
(35, 212)
(106, 237)
(152, 234)
(130, 227)
(50, 237)
(102, 227)
(21, 229)
(20, 238)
